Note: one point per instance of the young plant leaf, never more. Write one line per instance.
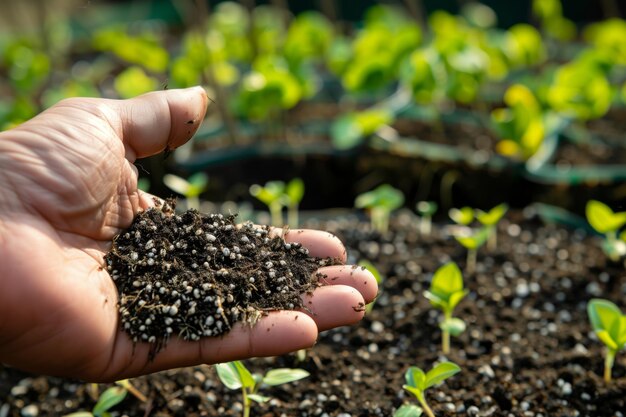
(446, 288)
(295, 190)
(272, 191)
(284, 375)
(462, 216)
(608, 322)
(475, 240)
(228, 374)
(454, 326)
(246, 378)
(602, 218)
(415, 378)
(109, 399)
(384, 196)
(441, 372)
(493, 216)
(426, 208)
(175, 183)
(259, 398)
(408, 410)
(79, 414)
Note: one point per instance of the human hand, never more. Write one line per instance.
(69, 185)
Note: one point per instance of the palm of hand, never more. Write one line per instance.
(72, 186)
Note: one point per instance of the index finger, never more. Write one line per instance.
(319, 243)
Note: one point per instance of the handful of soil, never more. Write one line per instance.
(196, 275)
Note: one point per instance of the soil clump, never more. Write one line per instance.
(196, 275)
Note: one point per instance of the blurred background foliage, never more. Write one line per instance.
(342, 70)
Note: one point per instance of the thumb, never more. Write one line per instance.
(158, 121)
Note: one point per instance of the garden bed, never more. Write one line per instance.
(529, 349)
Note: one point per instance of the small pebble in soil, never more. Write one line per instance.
(196, 275)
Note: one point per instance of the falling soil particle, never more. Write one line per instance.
(195, 275)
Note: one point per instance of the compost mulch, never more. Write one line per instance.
(528, 349)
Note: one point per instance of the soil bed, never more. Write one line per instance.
(528, 350)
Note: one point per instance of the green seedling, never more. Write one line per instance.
(426, 210)
(490, 220)
(294, 192)
(463, 216)
(445, 293)
(273, 196)
(109, 399)
(377, 276)
(191, 188)
(609, 324)
(607, 222)
(381, 202)
(417, 382)
(236, 376)
(350, 130)
(472, 242)
(520, 126)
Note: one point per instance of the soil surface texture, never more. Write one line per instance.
(528, 351)
(195, 275)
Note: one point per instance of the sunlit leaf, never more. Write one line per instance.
(284, 375)
(109, 399)
(441, 372)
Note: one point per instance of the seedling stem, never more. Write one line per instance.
(445, 334)
(608, 365)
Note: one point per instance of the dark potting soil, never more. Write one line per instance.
(195, 275)
(528, 350)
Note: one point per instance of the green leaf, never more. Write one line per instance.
(415, 378)
(259, 398)
(79, 414)
(475, 240)
(408, 410)
(346, 133)
(426, 208)
(493, 216)
(446, 281)
(370, 267)
(608, 322)
(177, 184)
(606, 338)
(284, 375)
(272, 192)
(602, 218)
(415, 391)
(463, 216)
(246, 378)
(440, 372)
(295, 190)
(109, 398)
(384, 196)
(228, 374)
(455, 298)
(454, 326)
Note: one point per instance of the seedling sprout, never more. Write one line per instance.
(490, 220)
(607, 222)
(445, 293)
(417, 382)
(191, 188)
(236, 376)
(377, 275)
(381, 202)
(109, 399)
(273, 196)
(426, 209)
(463, 216)
(609, 324)
(472, 242)
(294, 191)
